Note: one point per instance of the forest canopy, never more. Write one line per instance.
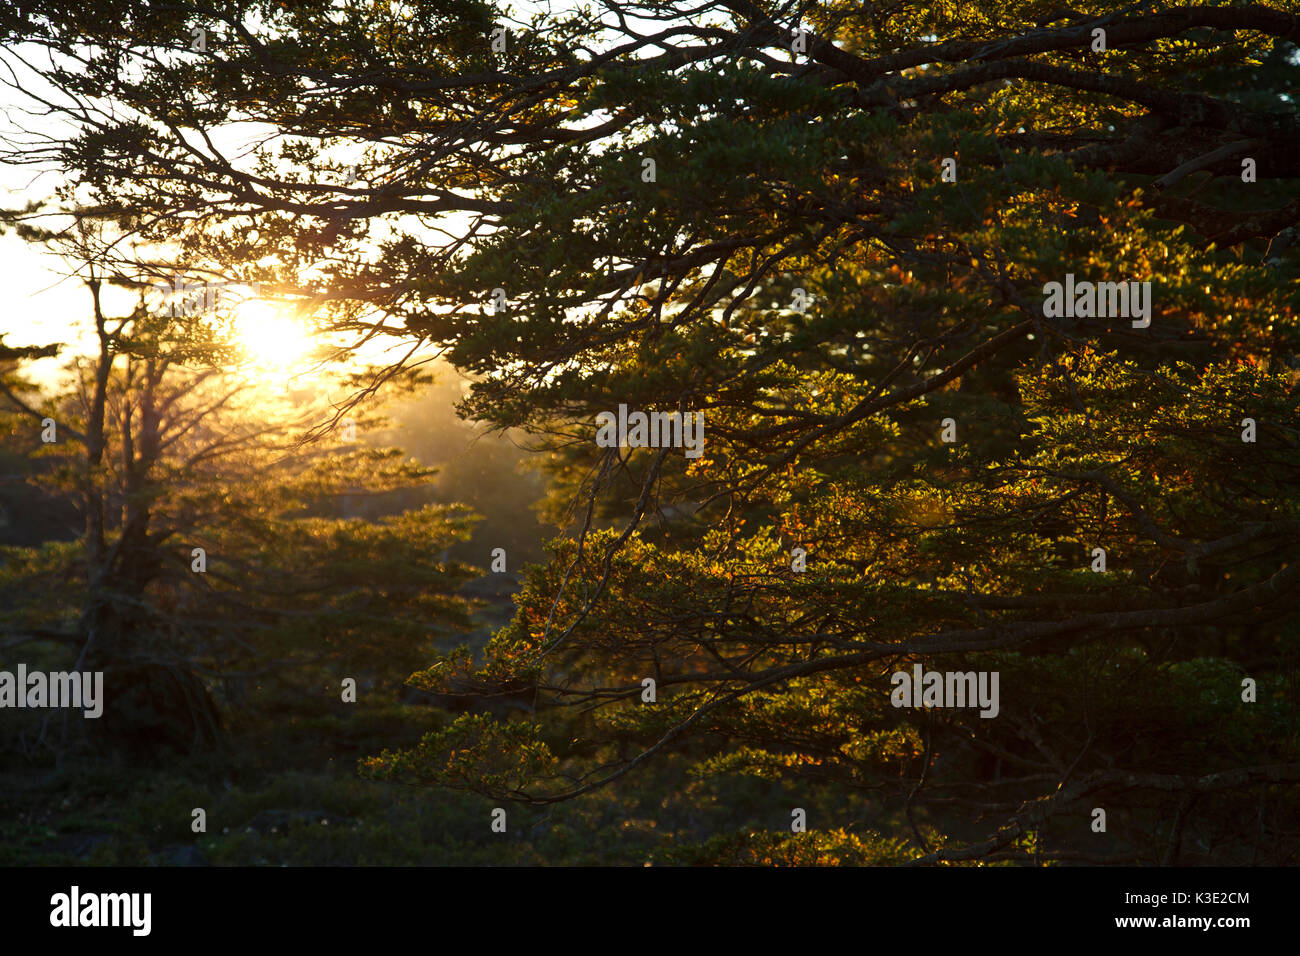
(987, 313)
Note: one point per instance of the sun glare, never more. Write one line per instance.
(272, 339)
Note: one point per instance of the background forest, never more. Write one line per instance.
(454, 234)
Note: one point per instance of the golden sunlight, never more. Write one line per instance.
(271, 338)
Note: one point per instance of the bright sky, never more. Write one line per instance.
(38, 303)
(44, 307)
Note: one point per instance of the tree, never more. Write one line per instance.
(831, 230)
(213, 573)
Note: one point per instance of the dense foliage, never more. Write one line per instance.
(697, 208)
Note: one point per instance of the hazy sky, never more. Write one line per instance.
(41, 306)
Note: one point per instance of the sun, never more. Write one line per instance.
(271, 339)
